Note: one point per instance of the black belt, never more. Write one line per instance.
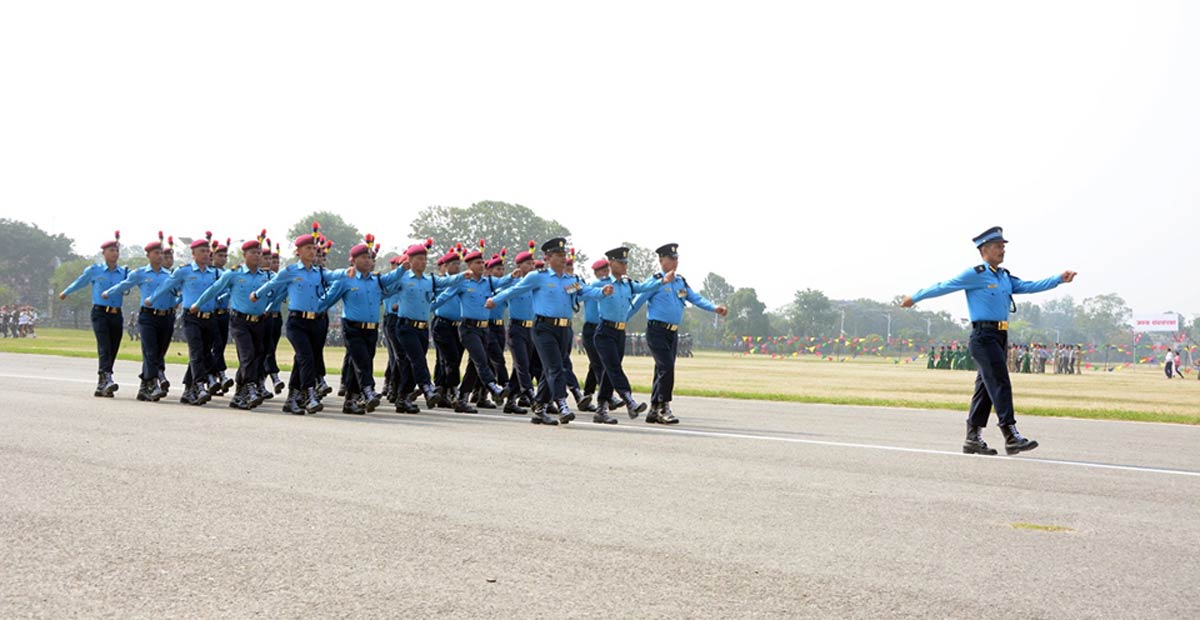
(360, 325)
(998, 325)
(202, 315)
(671, 327)
(220, 311)
(520, 323)
(474, 323)
(555, 321)
(249, 318)
(445, 320)
(587, 323)
(311, 316)
(497, 323)
(271, 315)
(108, 309)
(414, 324)
(146, 310)
(614, 325)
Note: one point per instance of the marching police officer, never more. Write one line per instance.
(273, 320)
(553, 297)
(199, 328)
(107, 322)
(520, 334)
(245, 320)
(446, 320)
(414, 291)
(305, 282)
(220, 258)
(155, 323)
(361, 294)
(613, 295)
(496, 333)
(470, 291)
(591, 320)
(665, 304)
(989, 289)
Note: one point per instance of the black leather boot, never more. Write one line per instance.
(277, 383)
(541, 417)
(565, 415)
(202, 394)
(322, 389)
(463, 405)
(143, 392)
(665, 416)
(157, 391)
(632, 405)
(602, 417)
(312, 404)
(353, 405)
(583, 401)
(107, 386)
(974, 443)
(1014, 442)
(162, 381)
(371, 399)
(511, 406)
(652, 417)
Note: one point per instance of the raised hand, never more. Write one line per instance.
(489, 304)
(721, 310)
(907, 302)
(607, 290)
(1069, 276)
(669, 276)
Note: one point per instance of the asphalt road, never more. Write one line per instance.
(116, 508)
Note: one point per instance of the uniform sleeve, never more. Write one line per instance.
(170, 287)
(1021, 287)
(445, 296)
(280, 281)
(646, 286)
(83, 280)
(217, 287)
(332, 276)
(500, 284)
(333, 295)
(967, 280)
(641, 299)
(134, 278)
(390, 282)
(528, 283)
(594, 291)
(700, 301)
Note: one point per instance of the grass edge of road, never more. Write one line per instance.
(1091, 414)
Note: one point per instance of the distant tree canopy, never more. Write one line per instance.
(500, 224)
(343, 234)
(28, 257)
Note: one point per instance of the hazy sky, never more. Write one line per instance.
(854, 147)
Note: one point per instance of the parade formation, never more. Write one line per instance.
(461, 305)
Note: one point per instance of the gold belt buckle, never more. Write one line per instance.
(561, 322)
(112, 310)
(619, 326)
(420, 324)
(1003, 325)
(672, 327)
(370, 325)
(204, 315)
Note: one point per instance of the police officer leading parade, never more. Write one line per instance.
(989, 289)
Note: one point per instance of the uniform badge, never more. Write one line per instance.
(682, 293)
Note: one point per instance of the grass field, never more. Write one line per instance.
(1139, 393)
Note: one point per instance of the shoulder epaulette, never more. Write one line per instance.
(980, 268)
(542, 270)
(658, 276)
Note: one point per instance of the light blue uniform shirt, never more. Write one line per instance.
(101, 278)
(361, 295)
(237, 285)
(450, 312)
(553, 295)
(666, 300)
(304, 285)
(189, 280)
(147, 280)
(470, 296)
(989, 290)
(615, 307)
(415, 294)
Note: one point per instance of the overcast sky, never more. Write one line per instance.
(854, 147)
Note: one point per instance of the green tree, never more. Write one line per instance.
(8, 296)
(500, 224)
(643, 262)
(716, 288)
(343, 234)
(78, 304)
(28, 257)
(1105, 318)
(747, 315)
(812, 314)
